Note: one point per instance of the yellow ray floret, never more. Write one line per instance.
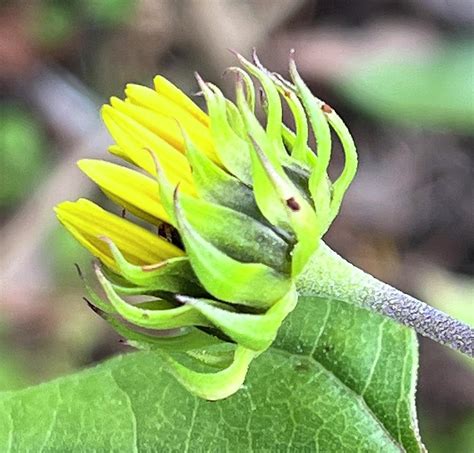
(119, 152)
(167, 89)
(135, 192)
(156, 102)
(136, 141)
(88, 222)
(165, 127)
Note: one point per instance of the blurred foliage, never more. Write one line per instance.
(61, 248)
(457, 438)
(449, 292)
(60, 22)
(435, 91)
(107, 12)
(57, 21)
(23, 157)
(12, 377)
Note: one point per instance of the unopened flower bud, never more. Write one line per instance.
(240, 208)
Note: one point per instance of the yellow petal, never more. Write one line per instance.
(150, 99)
(166, 88)
(134, 140)
(165, 127)
(117, 151)
(137, 193)
(88, 222)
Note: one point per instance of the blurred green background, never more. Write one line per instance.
(400, 73)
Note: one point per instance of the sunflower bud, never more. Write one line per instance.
(239, 208)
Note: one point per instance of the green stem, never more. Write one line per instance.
(329, 275)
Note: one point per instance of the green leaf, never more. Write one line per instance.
(374, 357)
(338, 379)
(23, 160)
(434, 91)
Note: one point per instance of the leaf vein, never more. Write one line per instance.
(376, 357)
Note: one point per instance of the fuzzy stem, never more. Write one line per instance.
(329, 275)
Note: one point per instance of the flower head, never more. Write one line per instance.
(239, 208)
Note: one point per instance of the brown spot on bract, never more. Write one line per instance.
(293, 204)
(326, 108)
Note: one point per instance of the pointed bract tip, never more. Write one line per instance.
(79, 271)
(97, 269)
(257, 61)
(292, 64)
(202, 84)
(234, 52)
(155, 159)
(176, 194)
(95, 309)
(295, 76)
